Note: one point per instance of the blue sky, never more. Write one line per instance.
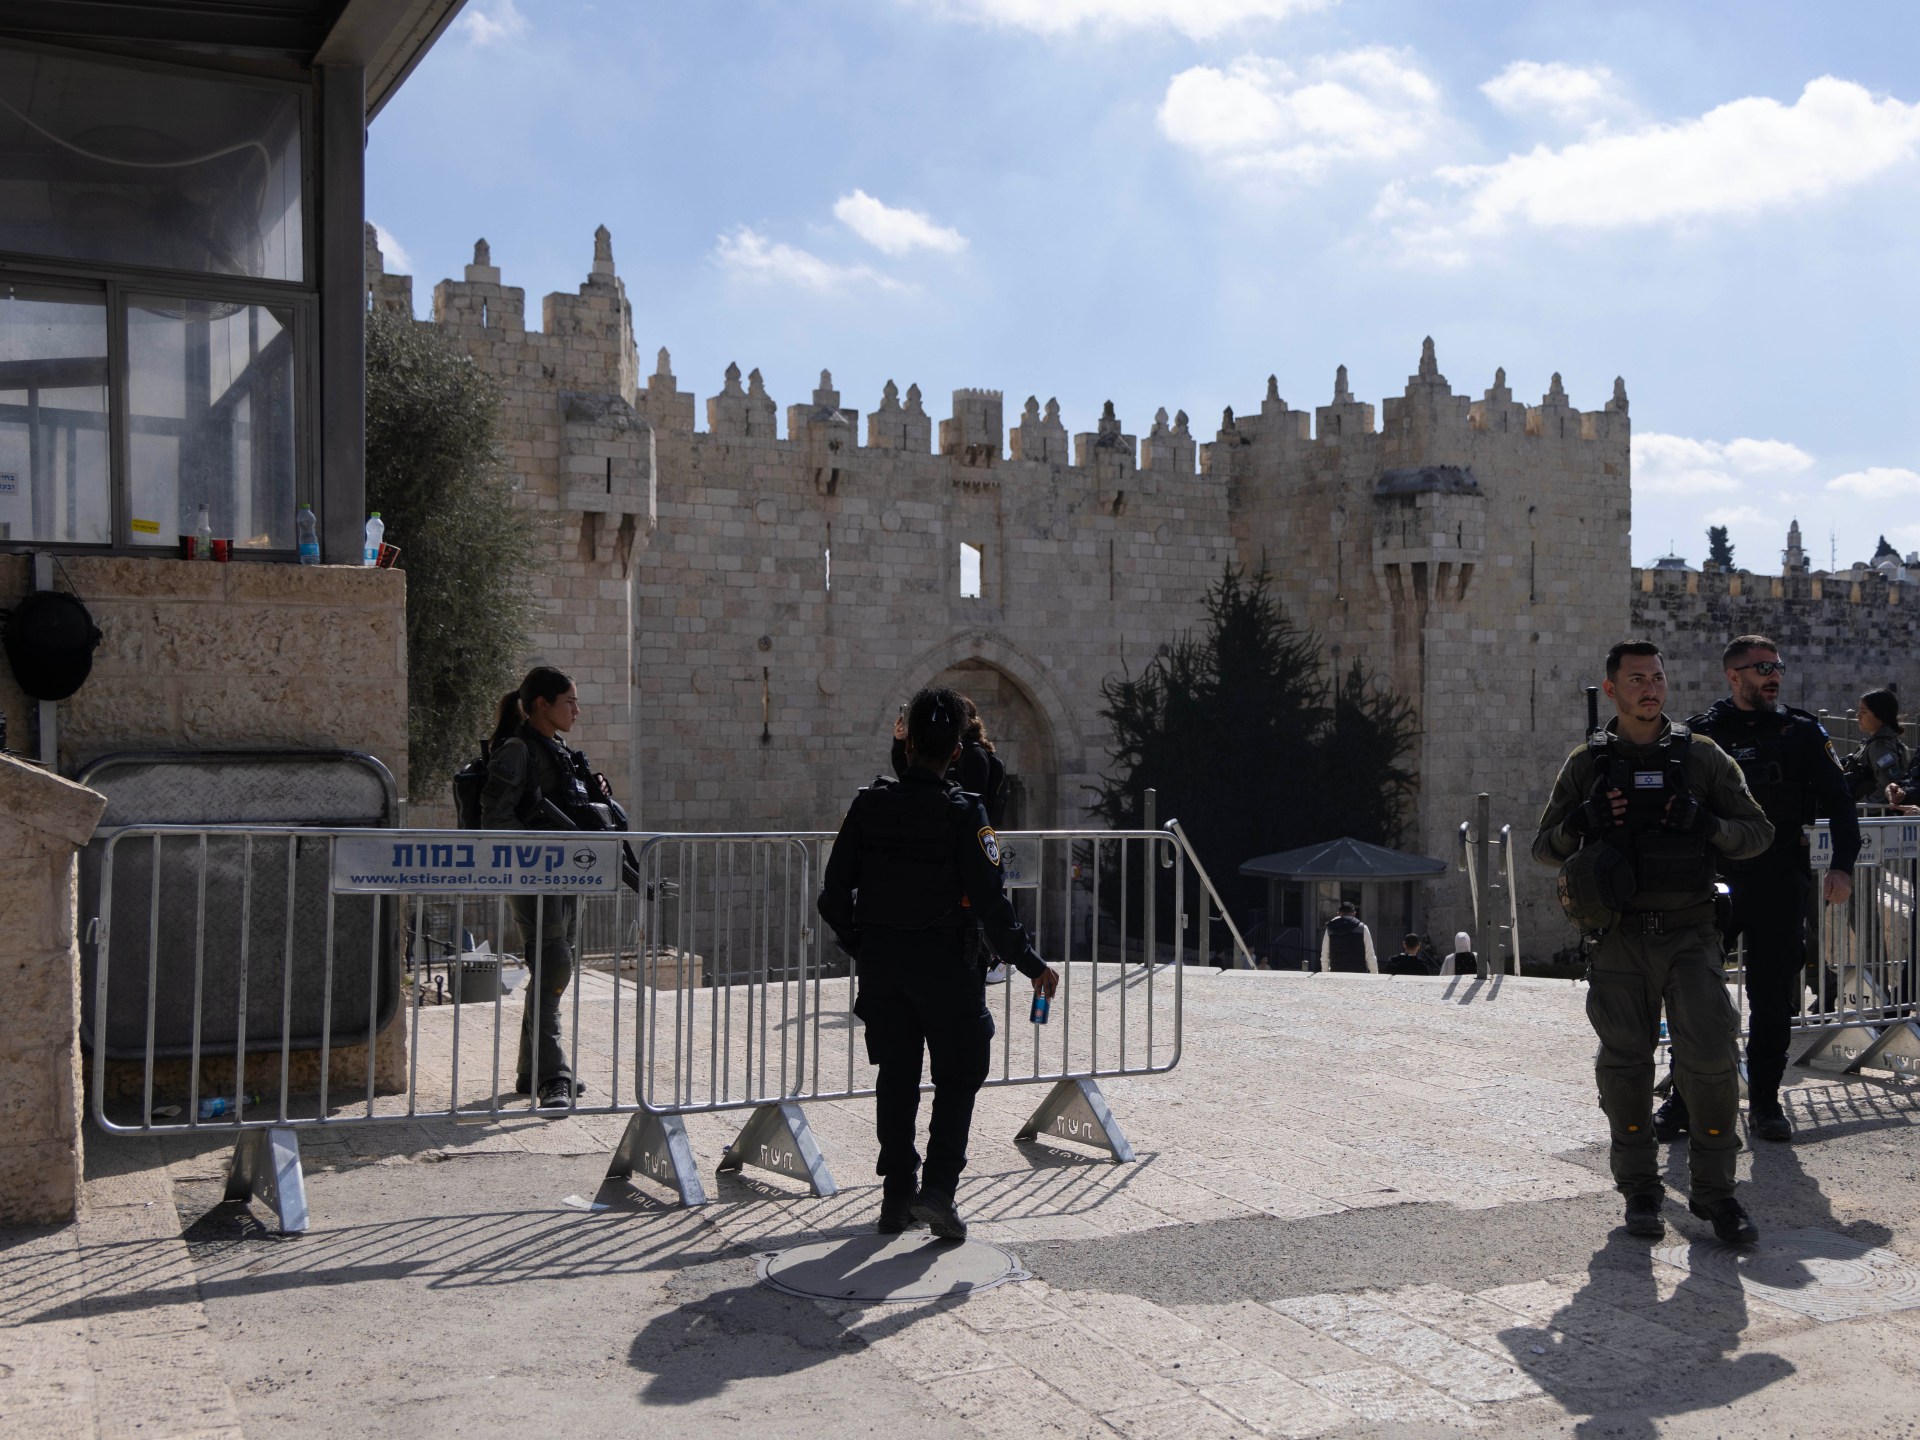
(1161, 202)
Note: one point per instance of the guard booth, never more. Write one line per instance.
(1305, 888)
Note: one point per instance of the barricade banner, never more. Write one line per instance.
(415, 861)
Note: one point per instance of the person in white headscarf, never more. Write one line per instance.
(1463, 961)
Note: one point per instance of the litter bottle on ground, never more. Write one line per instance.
(309, 531)
(214, 1106)
(376, 532)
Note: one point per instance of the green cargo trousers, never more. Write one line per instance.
(1632, 976)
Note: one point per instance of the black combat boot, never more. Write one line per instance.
(1670, 1120)
(940, 1215)
(1731, 1223)
(1768, 1120)
(1643, 1216)
(896, 1206)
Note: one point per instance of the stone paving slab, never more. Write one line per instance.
(1312, 1242)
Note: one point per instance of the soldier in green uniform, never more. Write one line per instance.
(1646, 805)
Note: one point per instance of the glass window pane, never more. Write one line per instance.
(140, 167)
(210, 420)
(53, 416)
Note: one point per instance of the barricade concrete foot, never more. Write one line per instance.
(655, 1146)
(1897, 1049)
(778, 1138)
(266, 1165)
(1839, 1048)
(1076, 1110)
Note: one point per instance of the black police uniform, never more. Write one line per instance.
(909, 853)
(1791, 769)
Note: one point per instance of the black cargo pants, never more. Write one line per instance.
(1633, 975)
(1770, 915)
(921, 995)
(546, 934)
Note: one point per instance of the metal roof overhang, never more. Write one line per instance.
(386, 38)
(1344, 859)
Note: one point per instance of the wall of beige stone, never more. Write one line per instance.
(1841, 635)
(44, 821)
(197, 655)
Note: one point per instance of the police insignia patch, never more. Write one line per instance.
(990, 844)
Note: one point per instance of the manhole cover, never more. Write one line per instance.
(879, 1268)
(1815, 1273)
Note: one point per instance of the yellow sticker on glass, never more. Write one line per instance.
(146, 527)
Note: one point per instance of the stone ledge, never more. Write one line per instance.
(36, 799)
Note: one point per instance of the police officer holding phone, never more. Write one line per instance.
(914, 866)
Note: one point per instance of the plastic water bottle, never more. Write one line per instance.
(203, 535)
(309, 529)
(214, 1106)
(376, 532)
(1040, 1007)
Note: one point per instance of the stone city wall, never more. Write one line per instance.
(745, 605)
(783, 588)
(1840, 634)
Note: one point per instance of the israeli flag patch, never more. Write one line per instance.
(990, 844)
(1649, 779)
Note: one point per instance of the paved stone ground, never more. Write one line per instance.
(1363, 1206)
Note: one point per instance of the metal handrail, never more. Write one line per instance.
(1193, 857)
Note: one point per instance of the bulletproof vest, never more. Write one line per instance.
(1346, 944)
(1774, 759)
(1670, 869)
(909, 878)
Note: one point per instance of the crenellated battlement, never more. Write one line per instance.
(1426, 424)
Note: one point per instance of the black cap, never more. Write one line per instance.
(50, 639)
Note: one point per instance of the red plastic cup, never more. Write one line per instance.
(223, 550)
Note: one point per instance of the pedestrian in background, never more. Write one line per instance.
(1347, 944)
(1463, 961)
(1882, 757)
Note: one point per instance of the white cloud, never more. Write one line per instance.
(1879, 482)
(392, 253)
(893, 231)
(1745, 157)
(751, 256)
(491, 24)
(1582, 95)
(1677, 465)
(1198, 19)
(1261, 117)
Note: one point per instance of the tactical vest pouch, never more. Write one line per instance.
(1594, 885)
(1668, 862)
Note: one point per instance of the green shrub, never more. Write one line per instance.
(434, 474)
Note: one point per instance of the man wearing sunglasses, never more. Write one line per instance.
(1792, 771)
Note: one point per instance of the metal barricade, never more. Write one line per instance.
(713, 987)
(1868, 967)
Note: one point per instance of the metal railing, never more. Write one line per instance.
(237, 976)
(1484, 876)
(1868, 965)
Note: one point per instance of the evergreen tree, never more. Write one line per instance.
(1247, 740)
(1719, 548)
(433, 473)
(1885, 551)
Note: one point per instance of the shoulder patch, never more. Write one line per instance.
(989, 844)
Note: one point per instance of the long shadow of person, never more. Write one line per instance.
(1625, 1358)
(747, 1332)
